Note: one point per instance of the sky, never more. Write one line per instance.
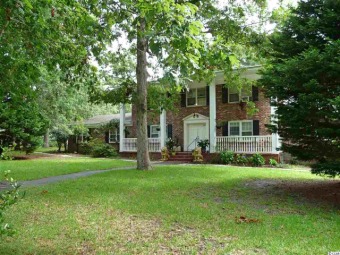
(272, 4)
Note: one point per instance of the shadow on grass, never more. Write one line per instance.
(268, 195)
(274, 196)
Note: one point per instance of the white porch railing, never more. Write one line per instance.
(130, 144)
(245, 144)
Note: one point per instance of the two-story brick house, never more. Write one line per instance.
(214, 112)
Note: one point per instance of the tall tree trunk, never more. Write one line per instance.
(47, 138)
(143, 159)
(65, 145)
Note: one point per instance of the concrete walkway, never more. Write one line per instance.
(72, 176)
(53, 179)
(58, 178)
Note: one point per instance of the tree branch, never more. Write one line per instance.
(4, 28)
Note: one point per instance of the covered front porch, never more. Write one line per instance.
(237, 144)
(248, 144)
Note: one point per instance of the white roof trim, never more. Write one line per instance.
(200, 117)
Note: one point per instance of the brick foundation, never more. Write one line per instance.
(133, 155)
(209, 158)
(213, 158)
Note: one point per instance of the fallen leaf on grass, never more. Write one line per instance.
(44, 192)
(243, 219)
(204, 205)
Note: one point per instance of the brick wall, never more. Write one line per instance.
(224, 112)
(176, 119)
(235, 111)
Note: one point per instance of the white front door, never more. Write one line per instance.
(196, 130)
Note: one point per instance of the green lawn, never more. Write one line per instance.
(174, 210)
(44, 167)
(49, 149)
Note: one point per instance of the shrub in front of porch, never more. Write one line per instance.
(97, 149)
(227, 157)
(257, 160)
(241, 159)
(104, 150)
(273, 162)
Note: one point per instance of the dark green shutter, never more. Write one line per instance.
(170, 131)
(225, 130)
(256, 127)
(107, 136)
(224, 94)
(207, 95)
(149, 131)
(183, 98)
(255, 93)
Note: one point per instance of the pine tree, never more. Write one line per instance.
(303, 78)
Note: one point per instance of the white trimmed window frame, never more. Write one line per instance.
(196, 97)
(242, 95)
(155, 131)
(241, 128)
(114, 136)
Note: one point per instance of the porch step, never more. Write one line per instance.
(181, 157)
(180, 160)
(183, 153)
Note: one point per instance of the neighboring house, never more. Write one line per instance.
(213, 112)
(111, 135)
(96, 126)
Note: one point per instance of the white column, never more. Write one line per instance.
(163, 128)
(276, 142)
(121, 127)
(212, 116)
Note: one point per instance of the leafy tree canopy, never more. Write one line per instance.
(44, 64)
(184, 39)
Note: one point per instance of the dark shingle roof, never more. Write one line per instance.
(99, 120)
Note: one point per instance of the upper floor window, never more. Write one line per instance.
(236, 95)
(197, 96)
(114, 136)
(241, 128)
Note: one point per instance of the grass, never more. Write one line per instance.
(20, 153)
(49, 149)
(40, 168)
(173, 210)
